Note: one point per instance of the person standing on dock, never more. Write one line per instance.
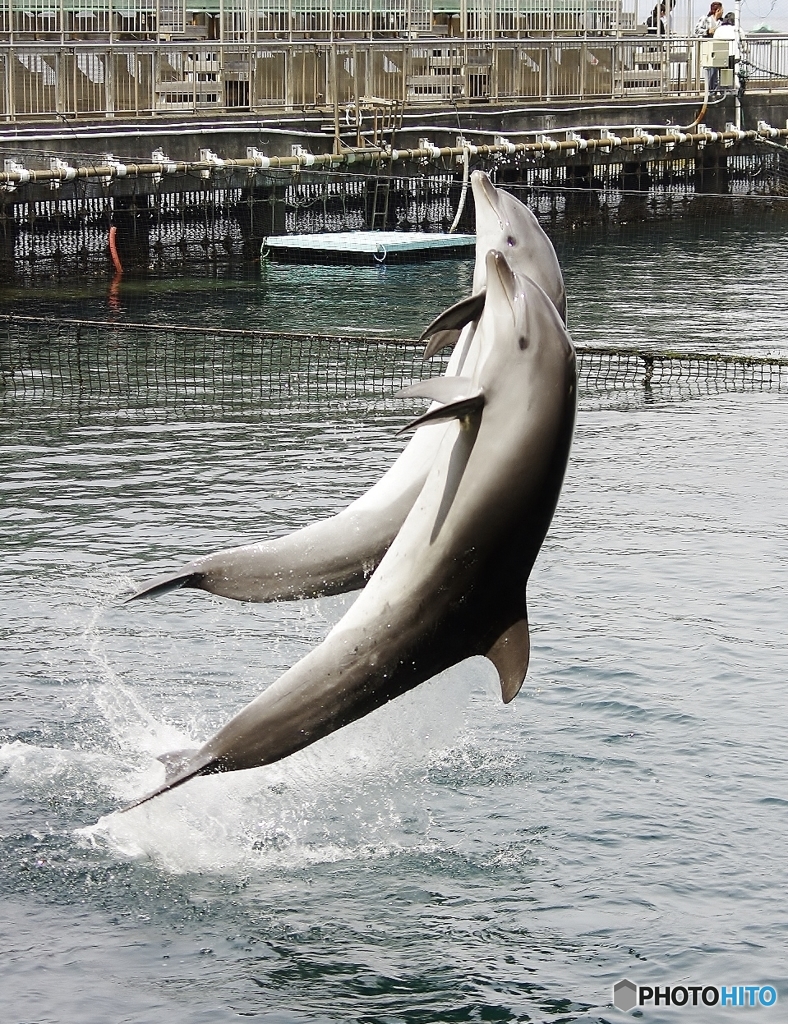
(657, 21)
(710, 22)
(706, 28)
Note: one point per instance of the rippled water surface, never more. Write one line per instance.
(708, 286)
(448, 858)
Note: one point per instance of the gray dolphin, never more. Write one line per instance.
(453, 583)
(339, 554)
(506, 224)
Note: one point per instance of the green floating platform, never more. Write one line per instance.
(367, 247)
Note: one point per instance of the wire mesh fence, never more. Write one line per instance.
(162, 362)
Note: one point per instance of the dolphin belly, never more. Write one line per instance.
(332, 556)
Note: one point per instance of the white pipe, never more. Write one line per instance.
(461, 205)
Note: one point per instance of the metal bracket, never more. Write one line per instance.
(67, 173)
(610, 139)
(209, 157)
(261, 161)
(12, 167)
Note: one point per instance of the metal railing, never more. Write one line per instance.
(46, 80)
(252, 20)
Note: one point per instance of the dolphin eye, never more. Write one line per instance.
(511, 240)
(522, 341)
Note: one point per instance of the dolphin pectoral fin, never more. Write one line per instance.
(451, 322)
(164, 584)
(510, 654)
(180, 772)
(470, 405)
(440, 340)
(439, 389)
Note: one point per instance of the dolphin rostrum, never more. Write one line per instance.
(339, 554)
(453, 582)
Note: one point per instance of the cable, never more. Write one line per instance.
(763, 71)
(705, 106)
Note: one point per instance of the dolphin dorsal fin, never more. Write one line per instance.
(446, 328)
(460, 408)
(510, 654)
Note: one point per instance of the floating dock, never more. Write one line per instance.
(367, 247)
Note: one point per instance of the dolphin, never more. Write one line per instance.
(453, 582)
(506, 224)
(339, 554)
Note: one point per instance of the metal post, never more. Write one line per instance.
(9, 90)
(335, 91)
(60, 107)
(109, 85)
(737, 107)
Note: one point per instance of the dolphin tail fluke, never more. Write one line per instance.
(180, 768)
(176, 760)
(446, 328)
(510, 654)
(164, 584)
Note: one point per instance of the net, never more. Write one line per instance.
(94, 358)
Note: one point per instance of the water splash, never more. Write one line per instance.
(360, 793)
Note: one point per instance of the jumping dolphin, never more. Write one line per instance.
(339, 554)
(453, 583)
(528, 250)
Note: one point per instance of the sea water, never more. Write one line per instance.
(447, 858)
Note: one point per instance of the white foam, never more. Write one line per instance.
(360, 793)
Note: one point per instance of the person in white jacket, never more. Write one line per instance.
(730, 31)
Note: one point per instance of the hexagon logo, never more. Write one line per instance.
(625, 994)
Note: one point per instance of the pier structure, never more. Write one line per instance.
(165, 210)
(220, 122)
(354, 62)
